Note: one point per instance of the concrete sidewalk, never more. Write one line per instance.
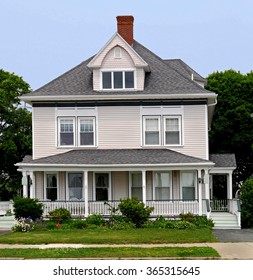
(227, 251)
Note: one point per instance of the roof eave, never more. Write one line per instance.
(134, 96)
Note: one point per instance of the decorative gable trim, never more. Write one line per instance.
(117, 40)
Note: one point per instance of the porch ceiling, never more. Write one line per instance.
(117, 158)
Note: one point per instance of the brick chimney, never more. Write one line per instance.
(125, 28)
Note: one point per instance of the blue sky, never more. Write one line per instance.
(42, 39)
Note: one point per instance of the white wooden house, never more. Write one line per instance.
(125, 123)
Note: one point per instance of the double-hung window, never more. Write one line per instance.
(76, 131)
(136, 185)
(188, 185)
(75, 186)
(152, 130)
(162, 184)
(87, 131)
(66, 127)
(162, 130)
(51, 186)
(172, 130)
(118, 80)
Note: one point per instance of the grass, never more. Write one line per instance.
(109, 236)
(107, 252)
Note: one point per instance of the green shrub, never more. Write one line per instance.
(79, 224)
(25, 207)
(59, 215)
(135, 211)
(120, 222)
(247, 203)
(203, 221)
(183, 225)
(189, 217)
(95, 219)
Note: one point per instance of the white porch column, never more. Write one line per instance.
(32, 186)
(200, 191)
(229, 186)
(144, 187)
(207, 189)
(25, 184)
(85, 193)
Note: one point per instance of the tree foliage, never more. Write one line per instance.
(232, 126)
(15, 132)
(247, 203)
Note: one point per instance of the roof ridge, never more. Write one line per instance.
(175, 70)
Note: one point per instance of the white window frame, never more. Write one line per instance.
(123, 79)
(179, 118)
(170, 183)
(109, 187)
(144, 129)
(195, 182)
(67, 186)
(45, 184)
(117, 52)
(79, 131)
(131, 183)
(59, 130)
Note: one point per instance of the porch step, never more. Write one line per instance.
(223, 220)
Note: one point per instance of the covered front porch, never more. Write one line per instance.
(82, 181)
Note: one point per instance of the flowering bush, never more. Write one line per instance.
(23, 225)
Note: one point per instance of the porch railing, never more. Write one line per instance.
(163, 208)
(4, 206)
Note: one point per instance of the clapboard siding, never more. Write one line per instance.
(118, 127)
(45, 132)
(195, 135)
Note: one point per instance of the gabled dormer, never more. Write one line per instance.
(117, 66)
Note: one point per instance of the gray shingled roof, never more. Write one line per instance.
(223, 160)
(184, 69)
(117, 157)
(162, 79)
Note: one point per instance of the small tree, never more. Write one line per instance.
(25, 207)
(247, 203)
(135, 211)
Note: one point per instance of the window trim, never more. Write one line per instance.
(144, 129)
(170, 183)
(179, 117)
(131, 183)
(67, 185)
(76, 131)
(79, 119)
(59, 131)
(162, 130)
(45, 184)
(195, 183)
(123, 79)
(109, 187)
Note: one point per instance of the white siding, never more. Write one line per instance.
(194, 132)
(45, 132)
(119, 127)
(39, 185)
(119, 185)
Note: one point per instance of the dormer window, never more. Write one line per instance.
(118, 80)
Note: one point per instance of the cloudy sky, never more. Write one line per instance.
(42, 39)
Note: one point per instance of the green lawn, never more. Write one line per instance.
(109, 236)
(107, 252)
